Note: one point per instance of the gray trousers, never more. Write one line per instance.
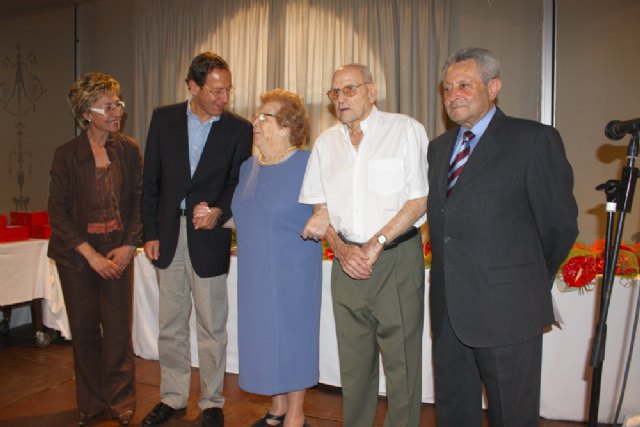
(178, 284)
(381, 315)
(510, 375)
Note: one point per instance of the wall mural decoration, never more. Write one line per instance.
(19, 91)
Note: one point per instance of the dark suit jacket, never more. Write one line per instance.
(167, 180)
(499, 238)
(73, 172)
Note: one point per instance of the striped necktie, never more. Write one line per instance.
(459, 160)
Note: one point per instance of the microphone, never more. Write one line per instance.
(616, 129)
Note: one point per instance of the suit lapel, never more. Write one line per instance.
(179, 135)
(488, 147)
(443, 171)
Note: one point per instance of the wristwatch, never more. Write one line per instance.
(382, 239)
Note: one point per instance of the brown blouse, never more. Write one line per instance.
(104, 214)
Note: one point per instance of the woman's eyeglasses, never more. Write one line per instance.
(109, 108)
(261, 117)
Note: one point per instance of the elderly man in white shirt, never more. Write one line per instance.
(367, 180)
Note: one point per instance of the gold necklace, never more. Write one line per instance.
(263, 162)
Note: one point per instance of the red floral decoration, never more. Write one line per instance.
(584, 263)
(579, 271)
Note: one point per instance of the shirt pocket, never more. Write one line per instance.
(386, 176)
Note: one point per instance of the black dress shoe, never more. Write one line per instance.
(212, 417)
(160, 414)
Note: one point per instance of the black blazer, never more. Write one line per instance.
(167, 180)
(499, 238)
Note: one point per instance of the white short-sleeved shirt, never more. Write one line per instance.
(365, 188)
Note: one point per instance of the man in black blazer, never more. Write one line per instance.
(192, 159)
(500, 227)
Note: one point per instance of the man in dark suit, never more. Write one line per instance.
(502, 220)
(192, 159)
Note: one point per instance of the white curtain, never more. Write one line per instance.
(295, 45)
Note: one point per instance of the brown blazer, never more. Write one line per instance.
(70, 188)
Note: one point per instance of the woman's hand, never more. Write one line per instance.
(106, 268)
(316, 226)
(121, 256)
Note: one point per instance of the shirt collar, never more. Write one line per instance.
(365, 124)
(192, 115)
(481, 126)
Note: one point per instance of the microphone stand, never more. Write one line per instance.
(619, 199)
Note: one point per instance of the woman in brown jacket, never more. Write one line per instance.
(94, 210)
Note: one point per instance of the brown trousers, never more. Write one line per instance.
(100, 316)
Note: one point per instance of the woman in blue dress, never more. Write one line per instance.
(279, 273)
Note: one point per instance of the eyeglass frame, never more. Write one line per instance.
(262, 117)
(109, 108)
(217, 92)
(336, 91)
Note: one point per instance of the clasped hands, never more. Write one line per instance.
(111, 265)
(356, 261)
(204, 217)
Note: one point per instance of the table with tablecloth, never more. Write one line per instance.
(565, 372)
(26, 275)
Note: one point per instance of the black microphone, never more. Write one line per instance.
(616, 129)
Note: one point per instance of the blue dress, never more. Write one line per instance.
(279, 279)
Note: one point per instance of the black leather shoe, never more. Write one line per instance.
(212, 417)
(160, 414)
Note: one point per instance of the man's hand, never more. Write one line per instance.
(353, 260)
(204, 217)
(152, 249)
(372, 249)
(316, 226)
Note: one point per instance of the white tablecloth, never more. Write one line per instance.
(28, 274)
(565, 390)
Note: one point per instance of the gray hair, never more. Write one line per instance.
(363, 69)
(487, 62)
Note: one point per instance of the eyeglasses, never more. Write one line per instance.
(263, 116)
(218, 92)
(109, 108)
(348, 91)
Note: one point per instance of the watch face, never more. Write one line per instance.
(382, 239)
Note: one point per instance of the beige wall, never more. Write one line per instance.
(598, 69)
(49, 37)
(106, 44)
(512, 30)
